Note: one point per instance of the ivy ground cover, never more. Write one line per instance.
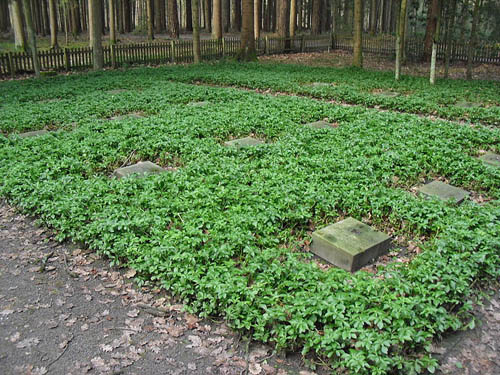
(227, 230)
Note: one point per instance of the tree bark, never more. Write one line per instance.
(189, 15)
(17, 23)
(473, 38)
(208, 16)
(95, 20)
(217, 20)
(247, 52)
(31, 37)
(53, 24)
(4, 16)
(149, 11)
(112, 22)
(195, 14)
(430, 29)
(173, 19)
(282, 18)
(257, 6)
(234, 15)
(316, 17)
(293, 17)
(399, 38)
(449, 33)
(373, 17)
(226, 15)
(358, 34)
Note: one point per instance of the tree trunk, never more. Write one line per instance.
(195, 14)
(173, 19)
(400, 42)
(373, 17)
(358, 34)
(257, 6)
(430, 29)
(17, 23)
(31, 37)
(208, 16)
(149, 11)
(282, 18)
(473, 39)
(464, 20)
(316, 17)
(53, 24)
(217, 20)
(226, 15)
(449, 35)
(112, 22)
(189, 15)
(293, 17)
(234, 15)
(4, 16)
(247, 52)
(95, 20)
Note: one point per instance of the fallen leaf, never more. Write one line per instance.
(254, 368)
(106, 348)
(195, 341)
(130, 273)
(16, 336)
(133, 313)
(84, 327)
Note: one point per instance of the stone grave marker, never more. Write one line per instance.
(127, 115)
(466, 104)
(141, 169)
(35, 133)
(491, 159)
(349, 244)
(319, 125)
(388, 94)
(244, 142)
(198, 104)
(319, 84)
(443, 191)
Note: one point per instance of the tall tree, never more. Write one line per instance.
(430, 30)
(247, 51)
(208, 15)
(257, 7)
(17, 23)
(358, 34)
(432, 77)
(282, 18)
(95, 19)
(112, 22)
(226, 15)
(173, 19)
(149, 11)
(31, 37)
(4, 16)
(316, 17)
(473, 38)
(449, 35)
(373, 17)
(53, 24)
(189, 15)
(400, 42)
(195, 8)
(293, 17)
(217, 20)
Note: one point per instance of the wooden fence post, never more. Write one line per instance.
(11, 65)
(266, 46)
(302, 43)
(113, 56)
(66, 60)
(223, 47)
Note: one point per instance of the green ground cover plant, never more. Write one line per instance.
(227, 231)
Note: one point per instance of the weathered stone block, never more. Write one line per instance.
(198, 104)
(349, 244)
(319, 125)
(35, 133)
(443, 191)
(388, 94)
(243, 142)
(466, 104)
(491, 159)
(319, 84)
(140, 169)
(127, 116)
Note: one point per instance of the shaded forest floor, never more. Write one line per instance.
(339, 58)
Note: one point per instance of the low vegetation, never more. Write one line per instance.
(227, 231)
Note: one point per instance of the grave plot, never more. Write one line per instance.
(320, 84)
(320, 125)
(141, 169)
(349, 244)
(466, 104)
(443, 191)
(491, 159)
(244, 142)
(387, 93)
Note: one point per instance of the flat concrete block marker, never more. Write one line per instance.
(127, 116)
(243, 142)
(349, 244)
(319, 84)
(443, 191)
(388, 94)
(319, 125)
(466, 104)
(198, 104)
(35, 133)
(141, 169)
(491, 159)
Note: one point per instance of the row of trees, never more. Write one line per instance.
(249, 17)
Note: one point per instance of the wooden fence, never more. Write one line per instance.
(181, 51)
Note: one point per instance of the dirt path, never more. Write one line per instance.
(65, 311)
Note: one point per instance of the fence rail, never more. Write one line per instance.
(181, 51)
